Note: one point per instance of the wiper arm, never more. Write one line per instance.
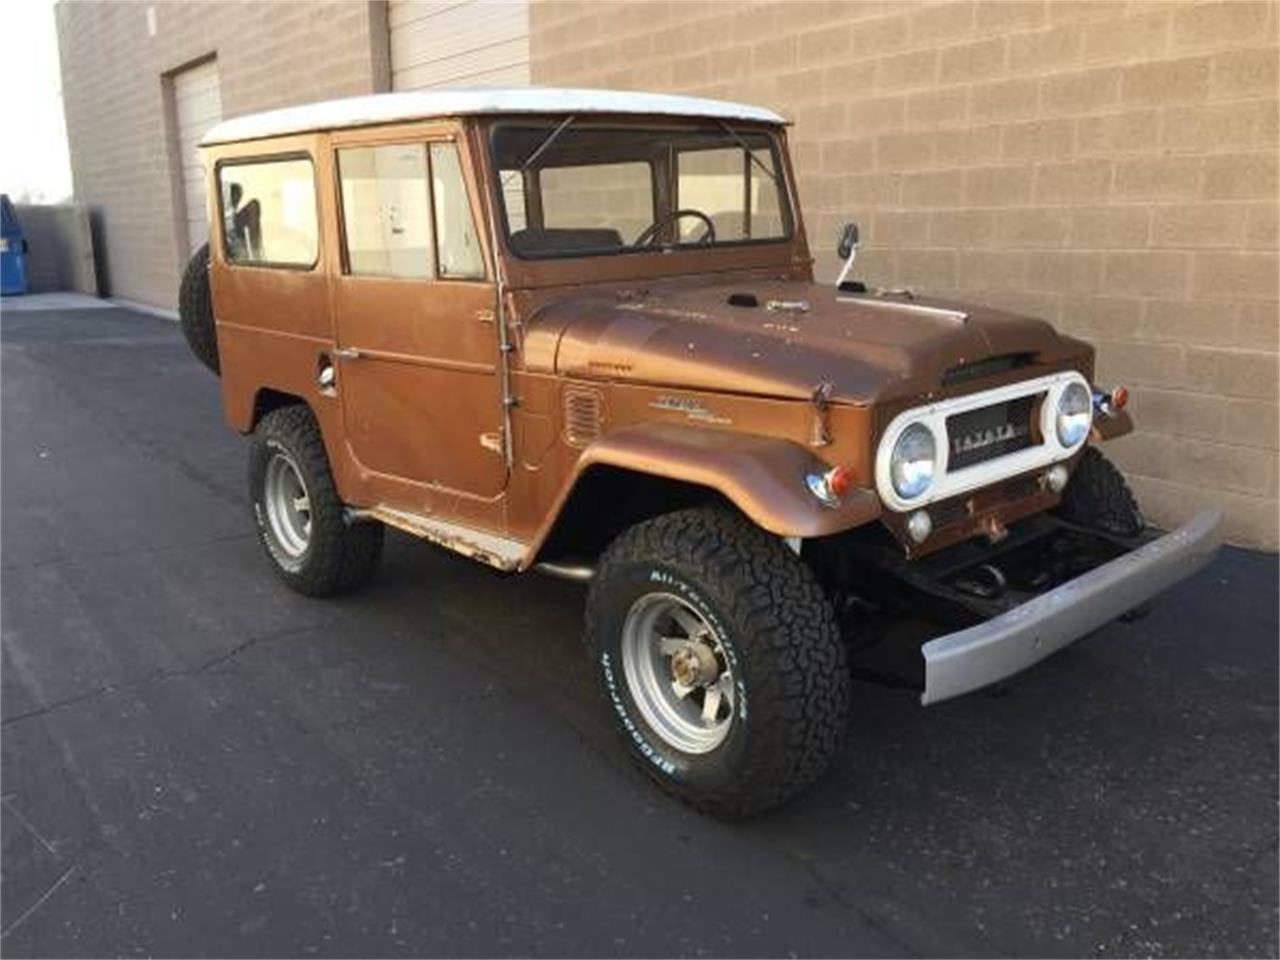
(749, 152)
(542, 148)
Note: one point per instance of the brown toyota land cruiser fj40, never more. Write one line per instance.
(579, 332)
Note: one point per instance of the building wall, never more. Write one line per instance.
(120, 124)
(1108, 166)
(60, 251)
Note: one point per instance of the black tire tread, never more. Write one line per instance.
(195, 310)
(342, 556)
(1099, 496)
(789, 636)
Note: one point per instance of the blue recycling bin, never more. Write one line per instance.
(13, 251)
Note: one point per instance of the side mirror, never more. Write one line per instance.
(848, 240)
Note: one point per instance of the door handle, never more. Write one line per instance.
(346, 353)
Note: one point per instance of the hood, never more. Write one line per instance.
(778, 338)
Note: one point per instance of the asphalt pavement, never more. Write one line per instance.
(197, 762)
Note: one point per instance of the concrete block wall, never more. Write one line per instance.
(60, 247)
(1108, 166)
(115, 84)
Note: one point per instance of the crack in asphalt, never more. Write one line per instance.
(66, 874)
(155, 676)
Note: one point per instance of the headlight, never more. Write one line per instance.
(1075, 414)
(914, 460)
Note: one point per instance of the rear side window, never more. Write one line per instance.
(386, 212)
(269, 212)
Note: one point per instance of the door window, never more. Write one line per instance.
(269, 212)
(386, 213)
(457, 244)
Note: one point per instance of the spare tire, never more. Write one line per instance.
(195, 310)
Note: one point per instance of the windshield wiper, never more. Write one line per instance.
(749, 152)
(542, 148)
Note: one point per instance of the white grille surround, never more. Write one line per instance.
(948, 483)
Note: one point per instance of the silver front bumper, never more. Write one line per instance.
(1002, 646)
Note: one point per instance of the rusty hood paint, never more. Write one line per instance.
(799, 334)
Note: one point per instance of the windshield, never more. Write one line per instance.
(574, 188)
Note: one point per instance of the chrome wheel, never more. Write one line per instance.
(287, 504)
(678, 673)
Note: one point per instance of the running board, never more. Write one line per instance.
(499, 552)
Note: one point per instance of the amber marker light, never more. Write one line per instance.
(830, 486)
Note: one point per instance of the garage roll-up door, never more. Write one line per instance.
(197, 106)
(472, 43)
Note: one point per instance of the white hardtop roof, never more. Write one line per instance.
(421, 104)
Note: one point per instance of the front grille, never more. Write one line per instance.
(977, 436)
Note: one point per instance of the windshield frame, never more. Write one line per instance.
(789, 211)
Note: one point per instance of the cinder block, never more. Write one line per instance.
(1084, 92)
(1236, 275)
(945, 107)
(1232, 373)
(1219, 24)
(1039, 140)
(1245, 176)
(905, 151)
(997, 186)
(1111, 134)
(1237, 73)
(1166, 81)
(907, 71)
(1149, 274)
(1110, 227)
(933, 188)
(1073, 272)
(1258, 326)
(1005, 100)
(1158, 178)
(1083, 181)
(980, 60)
(1214, 127)
(1199, 225)
(1032, 228)
(961, 228)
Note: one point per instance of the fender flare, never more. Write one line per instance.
(764, 477)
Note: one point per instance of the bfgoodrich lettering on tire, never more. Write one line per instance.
(720, 660)
(301, 522)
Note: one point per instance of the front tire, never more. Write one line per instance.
(720, 660)
(1098, 496)
(300, 519)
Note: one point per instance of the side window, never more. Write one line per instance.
(386, 213)
(457, 243)
(269, 212)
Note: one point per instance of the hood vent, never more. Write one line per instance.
(985, 368)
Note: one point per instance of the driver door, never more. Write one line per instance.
(414, 310)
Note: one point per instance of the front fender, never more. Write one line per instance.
(764, 477)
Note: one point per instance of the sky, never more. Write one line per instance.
(34, 164)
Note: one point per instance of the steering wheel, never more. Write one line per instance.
(649, 234)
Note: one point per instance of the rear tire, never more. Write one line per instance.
(195, 310)
(1098, 496)
(301, 521)
(704, 595)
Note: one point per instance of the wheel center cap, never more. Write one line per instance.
(694, 665)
